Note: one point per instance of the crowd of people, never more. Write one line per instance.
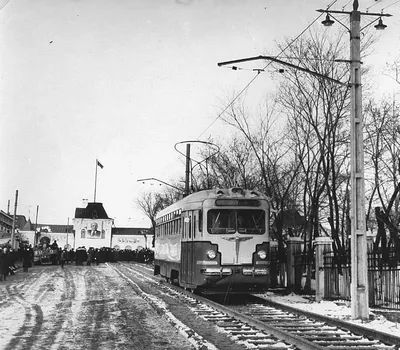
(10, 259)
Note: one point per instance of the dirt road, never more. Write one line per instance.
(80, 307)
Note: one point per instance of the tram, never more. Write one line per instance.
(215, 241)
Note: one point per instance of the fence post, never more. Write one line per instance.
(294, 245)
(322, 245)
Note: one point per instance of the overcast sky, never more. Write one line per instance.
(123, 81)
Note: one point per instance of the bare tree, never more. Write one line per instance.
(232, 166)
(383, 149)
(153, 202)
(264, 135)
(317, 111)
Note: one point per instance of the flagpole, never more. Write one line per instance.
(95, 183)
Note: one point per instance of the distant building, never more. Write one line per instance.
(131, 238)
(91, 227)
(47, 234)
(6, 224)
(6, 221)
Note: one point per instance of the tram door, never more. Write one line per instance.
(187, 254)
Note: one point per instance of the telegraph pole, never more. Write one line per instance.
(359, 260)
(36, 233)
(14, 219)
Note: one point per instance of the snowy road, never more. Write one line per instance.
(79, 307)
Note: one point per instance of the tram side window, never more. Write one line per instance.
(190, 227)
(194, 226)
(200, 221)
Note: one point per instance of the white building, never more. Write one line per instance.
(131, 238)
(92, 226)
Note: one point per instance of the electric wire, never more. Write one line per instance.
(4, 5)
(266, 66)
(396, 2)
(376, 3)
(344, 6)
(243, 90)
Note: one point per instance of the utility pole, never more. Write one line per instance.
(359, 259)
(66, 245)
(14, 219)
(36, 233)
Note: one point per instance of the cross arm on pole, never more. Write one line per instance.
(163, 182)
(274, 59)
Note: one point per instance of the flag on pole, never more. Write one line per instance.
(100, 165)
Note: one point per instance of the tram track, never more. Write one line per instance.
(262, 324)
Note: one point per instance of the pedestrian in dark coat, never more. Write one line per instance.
(4, 264)
(63, 257)
(26, 259)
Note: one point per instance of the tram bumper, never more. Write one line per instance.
(234, 279)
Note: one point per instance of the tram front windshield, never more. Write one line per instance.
(227, 221)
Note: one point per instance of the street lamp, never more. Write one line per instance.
(327, 22)
(380, 25)
(359, 262)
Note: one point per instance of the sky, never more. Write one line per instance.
(123, 81)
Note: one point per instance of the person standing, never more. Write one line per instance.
(63, 257)
(26, 259)
(4, 264)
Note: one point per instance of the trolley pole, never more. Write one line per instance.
(187, 181)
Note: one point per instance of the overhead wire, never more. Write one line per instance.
(374, 4)
(266, 66)
(241, 92)
(396, 2)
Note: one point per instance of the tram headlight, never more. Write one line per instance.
(211, 254)
(262, 254)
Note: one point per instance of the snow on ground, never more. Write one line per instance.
(337, 309)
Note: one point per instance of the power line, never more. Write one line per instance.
(266, 66)
(391, 5)
(376, 3)
(5, 4)
(260, 70)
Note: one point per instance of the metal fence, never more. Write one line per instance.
(383, 279)
(278, 269)
(337, 277)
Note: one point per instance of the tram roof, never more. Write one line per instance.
(233, 192)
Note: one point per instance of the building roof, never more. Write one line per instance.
(130, 231)
(50, 228)
(5, 216)
(92, 211)
(20, 221)
(28, 226)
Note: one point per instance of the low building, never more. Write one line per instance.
(63, 235)
(131, 238)
(6, 222)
